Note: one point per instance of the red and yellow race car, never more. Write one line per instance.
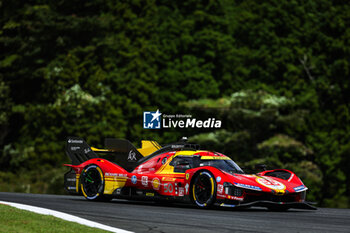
(176, 172)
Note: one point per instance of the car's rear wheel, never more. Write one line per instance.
(203, 189)
(92, 183)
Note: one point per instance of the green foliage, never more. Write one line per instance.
(90, 68)
(285, 143)
(4, 104)
(45, 179)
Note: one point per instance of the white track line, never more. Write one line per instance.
(64, 216)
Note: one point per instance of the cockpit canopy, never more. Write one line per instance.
(182, 163)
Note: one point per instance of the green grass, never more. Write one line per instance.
(16, 220)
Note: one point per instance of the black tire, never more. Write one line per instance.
(203, 189)
(92, 183)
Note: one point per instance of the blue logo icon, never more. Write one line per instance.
(133, 179)
(300, 188)
(151, 120)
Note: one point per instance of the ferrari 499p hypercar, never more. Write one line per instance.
(176, 172)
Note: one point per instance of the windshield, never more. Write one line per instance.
(226, 165)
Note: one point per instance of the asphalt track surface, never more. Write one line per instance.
(141, 216)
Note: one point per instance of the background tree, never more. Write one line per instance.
(90, 69)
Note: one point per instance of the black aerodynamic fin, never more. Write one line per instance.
(127, 155)
(78, 150)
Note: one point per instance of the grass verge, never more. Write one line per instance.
(16, 220)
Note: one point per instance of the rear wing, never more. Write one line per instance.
(124, 152)
(78, 150)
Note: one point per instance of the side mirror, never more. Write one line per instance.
(260, 167)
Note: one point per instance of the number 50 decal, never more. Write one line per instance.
(168, 188)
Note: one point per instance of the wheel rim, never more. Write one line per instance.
(91, 182)
(202, 189)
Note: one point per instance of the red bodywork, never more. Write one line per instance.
(160, 177)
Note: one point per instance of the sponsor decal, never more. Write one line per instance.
(270, 183)
(186, 188)
(168, 188)
(300, 188)
(220, 188)
(152, 120)
(132, 155)
(74, 148)
(134, 179)
(150, 194)
(235, 198)
(71, 179)
(187, 176)
(74, 141)
(87, 150)
(115, 174)
(246, 186)
(177, 146)
(144, 180)
(220, 195)
(168, 179)
(71, 188)
(218, 179)
(181, 192)
(156, 183)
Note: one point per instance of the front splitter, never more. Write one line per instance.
(271, 204)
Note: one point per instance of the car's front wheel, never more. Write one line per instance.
(203, 189)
